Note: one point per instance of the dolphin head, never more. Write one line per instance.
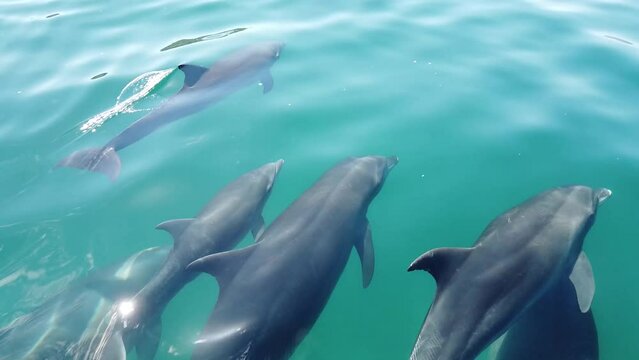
(254, 188)
(268, 172)
(271, 50)
(370, 172)
(579, 208)
(584, 198)
(378, 166)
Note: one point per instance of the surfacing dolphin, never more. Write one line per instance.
(272, 292)
(225, 220)
(202, 88)
(71, 324)
(520, 255)
(554, 328)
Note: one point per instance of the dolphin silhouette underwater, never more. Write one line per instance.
(272, 292)
(522, 254)
(72, 324)
(202, 88)
(554, 328)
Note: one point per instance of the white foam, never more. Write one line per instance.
(141, 86)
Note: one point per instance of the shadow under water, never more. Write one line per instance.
(219, 35)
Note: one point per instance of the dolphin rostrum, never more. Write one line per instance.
(272, 292)
(72, 324)
(202, 88)
(520, 256)
(224, 221)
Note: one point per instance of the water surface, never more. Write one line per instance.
(485, 103)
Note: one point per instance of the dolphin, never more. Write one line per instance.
(202, 88)
(522, 254)
(272, 292)
(70, 324)
(554, 328)
(225, 220)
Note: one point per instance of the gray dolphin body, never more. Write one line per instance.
(554, 328)
(521, 255)
(202, 88)
(72, 324)
(224, 221)
(271, 293)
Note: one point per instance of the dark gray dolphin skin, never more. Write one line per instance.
(554, 328)
(202, 88)
(272, 292)
(520, 255)
(71, 324)
(225, 220)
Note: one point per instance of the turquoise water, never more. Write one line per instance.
(485, 103)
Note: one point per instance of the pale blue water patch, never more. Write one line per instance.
(485, 103)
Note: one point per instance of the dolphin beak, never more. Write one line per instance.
(280, 47)
(603, 194)
(391, 161)
(278, 165)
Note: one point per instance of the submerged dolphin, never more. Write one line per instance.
(272, 292)
(554, 328)
(224, 221)
(202, 87)
(72, 324)
(519, 256)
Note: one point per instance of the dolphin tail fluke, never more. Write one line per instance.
(104, 160)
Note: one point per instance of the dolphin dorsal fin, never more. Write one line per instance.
(223, 265)
(192, 73)
(584, 282)
(175, 227)
(364, 247)
(441, 262)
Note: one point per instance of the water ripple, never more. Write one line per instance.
(218, 35)
(140, 87)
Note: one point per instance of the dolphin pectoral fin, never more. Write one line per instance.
(258, 228)
(222, 265)
(441, 262)
(192, 73)
(584, 282)
(147, 346)
(267, 82)
(364, 247)
(175, 227)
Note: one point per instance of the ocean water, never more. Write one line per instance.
(486, 103)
